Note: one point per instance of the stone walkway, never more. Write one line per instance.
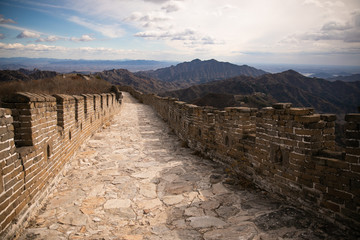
(135, 180)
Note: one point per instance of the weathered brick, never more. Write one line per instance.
(309, 132)
(340, 194)
(301, 111)
(354, 117)
(281, 105)
(352, 143)
(352, 159)
(330, 205)
(355, 168)
(351, 214)
(308, 119)
(337, 163)
(352, 134)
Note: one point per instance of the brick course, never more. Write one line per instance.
(284, 150)
(38, 134)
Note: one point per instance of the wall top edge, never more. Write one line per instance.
(26, 97)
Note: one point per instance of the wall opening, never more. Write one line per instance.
(199, 132)
(102, 101)
(227, 143)
(1, 182)
(85, 107)
(69, 135)
(107, 100)
(279, 155)
(94, 103)
(48, 151)
(59, 113)
(76, 109)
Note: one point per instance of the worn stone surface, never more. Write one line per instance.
(134, 180)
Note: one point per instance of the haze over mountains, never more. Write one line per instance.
(142, 83)
(81, 65)
(197, 71)
(25, 75)
(289, 86)
(222, 84)
(180, 76)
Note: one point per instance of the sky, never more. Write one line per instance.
(324, 32)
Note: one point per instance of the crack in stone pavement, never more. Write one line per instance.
(135, 180)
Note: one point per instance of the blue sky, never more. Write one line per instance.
(240, 31)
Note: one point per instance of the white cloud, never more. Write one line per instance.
(313, 2)
(8, 26)
(215, 28)
(83, 38)
(51, 38)
(225, 27)
(356, 18)
(167, 34)
(4, 20)
(149, 20)
(324, 4)
(348, 31)
(156, 1)
(352, 37)
(29, 47)
(10, 46)
(329, 26)
(28, 34)
(173, 7)
(53, 51)
(111, 31)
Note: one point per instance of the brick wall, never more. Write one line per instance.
(38, 135)
(287, 151)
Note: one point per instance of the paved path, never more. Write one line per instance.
(134, 180)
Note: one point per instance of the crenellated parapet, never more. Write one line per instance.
(38, 135)
(287, 151)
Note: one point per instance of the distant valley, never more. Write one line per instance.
(180, 76)
(222, 84)
(197, 71)
(25, 75)
(80, 66)
(289, 86)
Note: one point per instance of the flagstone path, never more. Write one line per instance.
(135, 180)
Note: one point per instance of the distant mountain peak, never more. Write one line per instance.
(289, 86)
(290, 71)
(195, 60)
(197, 71)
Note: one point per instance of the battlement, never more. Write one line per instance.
(38, 134)
(284, 150)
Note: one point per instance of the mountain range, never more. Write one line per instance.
(25, 75)
(142, 83)
(176, 77)
(222, 84)
(197, 71)
(80, 65)
(350, 78)
(289, 86)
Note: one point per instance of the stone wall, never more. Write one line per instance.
(38, 135)
(287, 151)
